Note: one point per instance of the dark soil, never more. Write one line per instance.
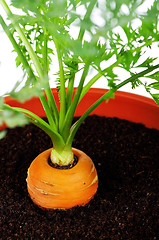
(126, 205)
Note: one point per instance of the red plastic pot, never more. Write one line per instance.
(127, 106)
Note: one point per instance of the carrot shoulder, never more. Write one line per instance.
(53, 188)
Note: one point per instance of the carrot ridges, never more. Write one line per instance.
(53, 188)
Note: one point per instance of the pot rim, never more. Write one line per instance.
(125, 105)
(101, 91)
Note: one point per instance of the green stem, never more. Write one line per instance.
(96, 77)
(101, 99)
(70, 90)
(17, 49)
(86, 17)
(137, 75)
(52, 105)
(45, 53)
(50, 98)
(48, 111)
(78, 123)
(90, 83)
(27, 112)
(71, 110)
(56, 138)
(49, 94)
(62, 87)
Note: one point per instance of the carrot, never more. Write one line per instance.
(53, 188)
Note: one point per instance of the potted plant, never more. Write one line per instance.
(63, 177)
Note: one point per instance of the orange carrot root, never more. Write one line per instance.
(53, 188)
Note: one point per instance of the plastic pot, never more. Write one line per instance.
(126, 106)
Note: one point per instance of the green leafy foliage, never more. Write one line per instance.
(2, 134)
(153, 87)
(1, 102)
(154, 76)
(12, 118)
(55, 18)
(23, 90)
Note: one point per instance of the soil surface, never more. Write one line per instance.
(126, 205)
